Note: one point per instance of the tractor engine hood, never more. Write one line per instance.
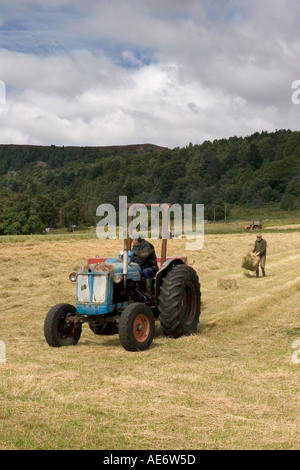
(95, 284)
(111, 266)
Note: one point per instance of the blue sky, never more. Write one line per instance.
(167, 72)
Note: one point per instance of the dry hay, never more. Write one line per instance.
(227, 284)
(250, 261)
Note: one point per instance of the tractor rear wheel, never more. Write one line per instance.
(57, 330)
(179, 301)
(136, 327)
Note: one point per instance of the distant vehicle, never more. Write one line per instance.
(256, 225)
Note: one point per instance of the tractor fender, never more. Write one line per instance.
(165, 268)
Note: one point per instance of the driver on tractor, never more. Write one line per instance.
(144, 255)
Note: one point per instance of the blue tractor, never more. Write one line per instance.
(112, 297)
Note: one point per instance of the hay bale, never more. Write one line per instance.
(250, 261)
(227, 284)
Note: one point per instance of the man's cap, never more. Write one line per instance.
(137, 236)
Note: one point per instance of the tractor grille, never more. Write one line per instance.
(99, 292)
(91, 289)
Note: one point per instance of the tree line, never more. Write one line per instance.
(62, 186)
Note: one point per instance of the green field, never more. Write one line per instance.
(232, 385)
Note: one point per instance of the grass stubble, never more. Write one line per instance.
(230, 386)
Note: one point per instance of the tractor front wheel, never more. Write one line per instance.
(57, 330)
(136, 327)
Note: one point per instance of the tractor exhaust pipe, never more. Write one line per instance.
(125, 264)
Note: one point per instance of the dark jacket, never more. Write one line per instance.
(261, 247)
(144, 255)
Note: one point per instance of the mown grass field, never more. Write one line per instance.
(230, 386)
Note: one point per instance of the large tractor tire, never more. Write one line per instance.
(59, 332)
(179, 302)
(136, 327)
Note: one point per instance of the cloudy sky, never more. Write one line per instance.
(167, 72)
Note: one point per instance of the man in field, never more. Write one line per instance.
(260, 249)
(144, 255)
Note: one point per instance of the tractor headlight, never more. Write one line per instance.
(117, 278)
(73, 277)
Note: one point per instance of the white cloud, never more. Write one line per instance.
(162, 72)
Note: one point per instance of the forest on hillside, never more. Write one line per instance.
(63, 186)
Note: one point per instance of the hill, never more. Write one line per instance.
(61, 186)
